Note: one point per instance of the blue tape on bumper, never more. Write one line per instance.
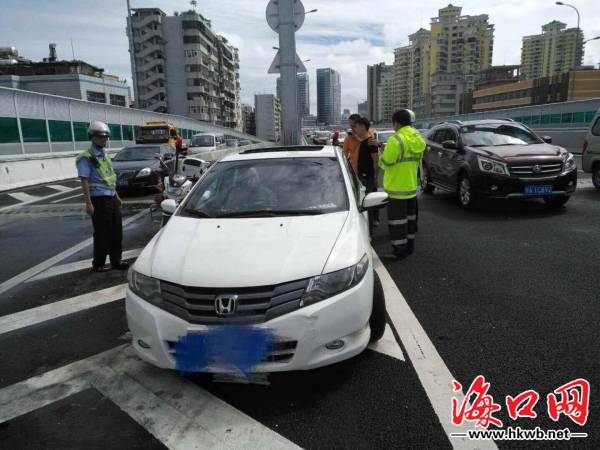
(236, 345)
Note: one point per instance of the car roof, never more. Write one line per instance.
(292, 151)
(459, 123)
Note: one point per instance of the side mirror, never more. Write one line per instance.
(450, 145)
(375, 200)
(169, 206)
(547, 139)
(158, 156)
(167, 156)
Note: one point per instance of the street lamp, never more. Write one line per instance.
(576, 49)
(313, 11)
(593, 39)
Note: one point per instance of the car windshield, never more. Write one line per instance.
(269, 187)
(137, 153)
(494, 135)
(231, 143)
(203, 141)
(152, 134)
(383, 136)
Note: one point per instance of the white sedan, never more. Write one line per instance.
(265, 266)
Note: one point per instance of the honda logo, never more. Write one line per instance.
(225, 305)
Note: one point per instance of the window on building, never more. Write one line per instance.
(98, 97)
(34, 130)
(9, 131)
(117, 100)
(60, 131)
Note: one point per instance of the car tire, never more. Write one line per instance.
(596, 175)
(556, 202)
(378, 319)
(466, 195)
(426, 185)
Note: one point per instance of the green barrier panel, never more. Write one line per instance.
(80, 129)
(34, 130)
(60, 131)
(9, 131)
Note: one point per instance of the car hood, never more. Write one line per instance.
(244, 252)
(515, 152)
(135, 165)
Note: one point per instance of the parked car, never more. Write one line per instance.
(321, 137)
(383, 135)
(266, 253)
(590, 159)
(496, 159)
(143, 166)
(229, 143)
(245, 142)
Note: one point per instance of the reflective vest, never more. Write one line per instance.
(104, 169)
(400, 161)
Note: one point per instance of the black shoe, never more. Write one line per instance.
(101, 269)
(410, 249)
(393, 257)
(123, 265)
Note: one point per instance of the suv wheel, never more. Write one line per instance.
(596, 175)
(465, 192)
(555, 202)
(426, 186)
(378, 319)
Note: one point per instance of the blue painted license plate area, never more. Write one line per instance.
(538, 190)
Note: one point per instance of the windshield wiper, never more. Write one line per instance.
(198, 213)
(274, 213)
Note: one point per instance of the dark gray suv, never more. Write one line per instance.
(496, 159)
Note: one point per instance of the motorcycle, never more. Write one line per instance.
(177, 185)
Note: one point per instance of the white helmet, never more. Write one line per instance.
(413, 118)
(98, 128)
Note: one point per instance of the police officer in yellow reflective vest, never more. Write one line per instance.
(99, 182)
(400, 161)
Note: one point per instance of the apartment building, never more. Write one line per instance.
(268, 117)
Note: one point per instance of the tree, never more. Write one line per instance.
(193, 3)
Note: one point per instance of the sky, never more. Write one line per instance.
(344, 35)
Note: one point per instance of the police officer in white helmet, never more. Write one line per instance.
(99, 182)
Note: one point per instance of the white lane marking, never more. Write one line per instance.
(431, 369)
(35, 199)
(51, 311)
(178, 413)
(58, 187)
(78, 265)
(66, 198)
(388, 345)
(23, 197)
(5, 286)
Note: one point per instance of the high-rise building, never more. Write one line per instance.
(554, 51)
(456, 44)
(385, 96)
(362, 108)
(303, 93)
(182, 67)
(374, 76)
(248, 119)
(268, 117)
(346, 112)
(329, 97)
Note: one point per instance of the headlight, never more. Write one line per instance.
(322, 287)
(491, 166)
(144, 172)
(174, 191)
(569, 163)
(145, 287)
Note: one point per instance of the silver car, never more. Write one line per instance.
(591, 151)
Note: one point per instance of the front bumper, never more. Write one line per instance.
(301, 334)
(507, 187)
(150, 181)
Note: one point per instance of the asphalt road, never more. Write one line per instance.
(510, 292)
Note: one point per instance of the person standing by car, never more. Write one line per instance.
(400, 161)
(368, 163)
(99, 182)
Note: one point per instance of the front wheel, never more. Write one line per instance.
(377, 322)
(596, 176)
(466, 195)
(555, 202)
(426, 186)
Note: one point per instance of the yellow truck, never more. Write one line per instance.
(160, 132)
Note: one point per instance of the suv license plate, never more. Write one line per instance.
(538, 190)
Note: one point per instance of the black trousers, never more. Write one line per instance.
(108, 230)
(402, 225)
